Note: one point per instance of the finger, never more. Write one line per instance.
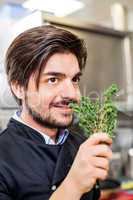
(100, 162)
(98, 138)
(100, 174)
(100, 150)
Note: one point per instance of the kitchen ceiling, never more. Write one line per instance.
(94, 11)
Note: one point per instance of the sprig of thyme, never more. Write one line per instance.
(97, 116)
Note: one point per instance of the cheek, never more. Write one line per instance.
(78, 95)
(33, 99)
(46, 97)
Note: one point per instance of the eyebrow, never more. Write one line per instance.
(59, 74)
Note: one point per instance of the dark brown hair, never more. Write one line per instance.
(30, 51)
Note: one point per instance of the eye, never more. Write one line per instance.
(53, 80)
(76, 79)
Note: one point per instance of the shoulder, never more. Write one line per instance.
(4, 136)
(6, 142)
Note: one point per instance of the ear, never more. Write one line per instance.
(18, 90)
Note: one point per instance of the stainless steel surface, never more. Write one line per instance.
(129, 166)
(83, 25)
(115, 163)
(119, 15)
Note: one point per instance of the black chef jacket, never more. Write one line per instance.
(30, 169)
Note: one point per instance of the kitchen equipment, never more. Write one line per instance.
(129, 164)
(108, 187)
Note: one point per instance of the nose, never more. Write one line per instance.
(70, 91)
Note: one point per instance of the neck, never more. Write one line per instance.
(52, 133)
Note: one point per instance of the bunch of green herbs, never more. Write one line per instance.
(99, 115)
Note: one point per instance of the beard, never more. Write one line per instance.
(48, 119)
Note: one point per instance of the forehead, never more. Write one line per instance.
(65, 63)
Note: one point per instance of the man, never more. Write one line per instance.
(40, 158)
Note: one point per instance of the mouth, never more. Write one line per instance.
(65, 108)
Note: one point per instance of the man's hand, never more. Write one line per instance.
(91, 163)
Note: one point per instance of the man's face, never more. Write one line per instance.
(58, 85)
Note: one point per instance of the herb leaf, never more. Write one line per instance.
(97, 116)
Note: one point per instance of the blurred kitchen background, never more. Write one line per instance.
(107, 27)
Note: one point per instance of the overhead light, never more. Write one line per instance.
(59, 8)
